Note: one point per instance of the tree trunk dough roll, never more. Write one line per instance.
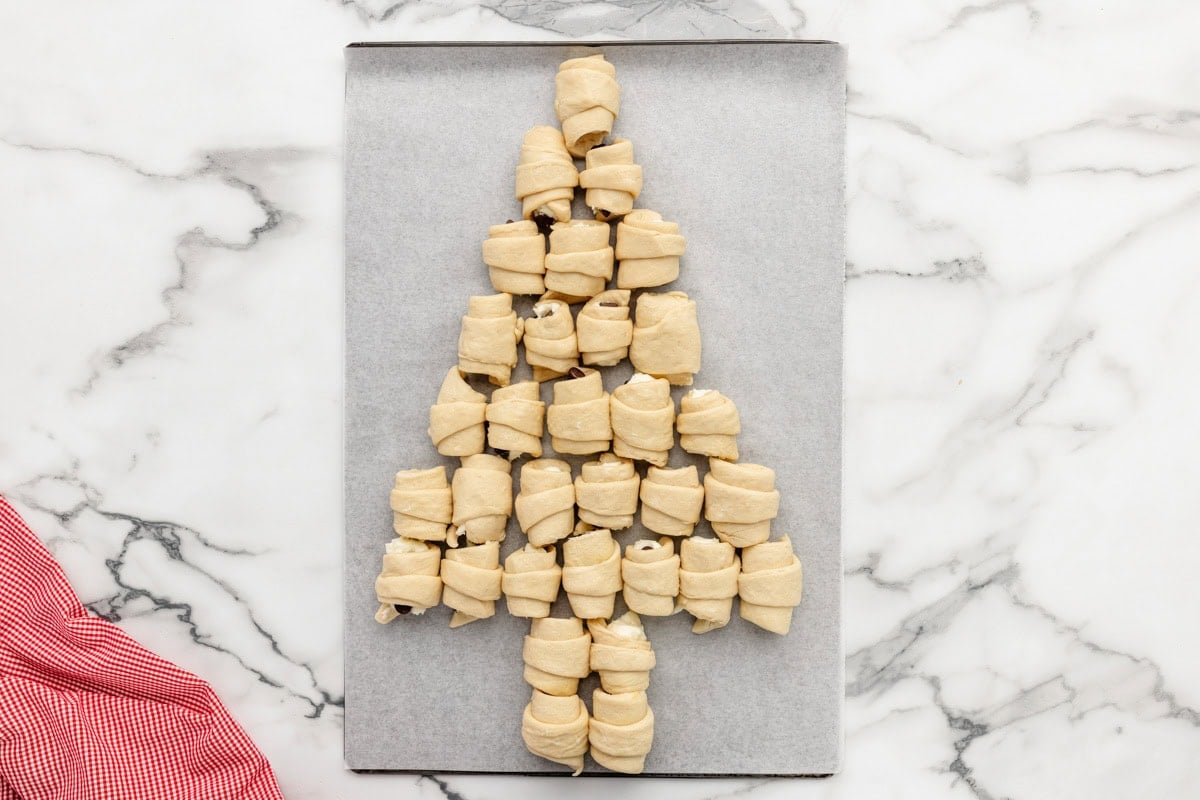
(612, 180)
(580, 262)
(515, 419)
(666, 337)
(708, 424)
(550, 344)
(650, 573)
(672, 500)
(515, 254)
(456, 419)
(409, 580)
(557, 654)
(587, 100)
(621, 732)
(592, 573)
(621, 654)
(643, 417)
(546, 503)
(740, 500)
(606, 492)
(648, 249)
(483, 498)
(531, 580)
(471, 579)
(422, 504)
(578, 419)
(556, 729)
(487, 344)
(708, 581)
(770, 585)
(546, 177)
(604, 329)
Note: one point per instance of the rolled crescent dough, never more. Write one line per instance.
(622, 731)
(556, 654)
(550, 344)
(546, 503)
(456, 419)
(708, 424)
(580, 261)
(770, 585)
(586, 100)
(422, 504)
(650, 572)
(556, 729)
(671, 500)
(487, 344)
(708, 581)
(604, 329)
(648, 249)
(591, 573)
(578, 419)
(515, 254)
(666, 337)
(471, 582)
(546, 176)
(621, 654)
(606, 492)
(531, 580)
(643, 416)
(740, 500)
(515, 419)
(409, 578)
(612, 180)
(483, 497)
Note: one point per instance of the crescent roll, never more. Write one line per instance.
(483, 498)
(556, 729)
(740, 500)
(606, 492)
(708, 424)
(409, 580)
(471, 582)
(556, 654)
(621, 654)
(604, 329)
(578, 418)
(546, 177)
(456, 419)
(650, 572)
(422, 504)
(546, 503)
(531, 580)
(708, 581)
(643, 417)
(515, 419)
(671, 500)
(515, 254)
(580, 261)
(550, 344)
(666, 337)
(591, 573)
(587, 100)
(770, 585)
(648, 249)
(621, 732)
(487, 344)
(612, 180)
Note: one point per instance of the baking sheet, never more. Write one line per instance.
(742, 145)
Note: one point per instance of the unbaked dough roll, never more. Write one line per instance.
(531, 580)
(471, 579)
(604, 329)
(550, 344)
(643, 417)
(483, 498)
(580, 262)
(671, 500)
(578, 418)
(606, 492)
(409, 580)
(422, 504)
(740, 500)
(487, 344)
(621, 654)
(515, 254)
(612, 180)
(708, 424)
(456, 419)
(546, 177)
(591, 573)
(546, 503)
(770, 585)
(586, 99)
(666, 337)
(648, 249)
(556, 654)
(650, 572)
(556, 729)
(515, 419)
(621, 732)
(708, 581)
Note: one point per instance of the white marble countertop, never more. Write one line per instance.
(1022, 379)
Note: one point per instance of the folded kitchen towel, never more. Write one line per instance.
(86, 713)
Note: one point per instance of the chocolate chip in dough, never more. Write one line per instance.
(576, 372)
(402, 610)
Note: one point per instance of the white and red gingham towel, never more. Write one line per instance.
(86, 713)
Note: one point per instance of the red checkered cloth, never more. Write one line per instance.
(86, 713)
